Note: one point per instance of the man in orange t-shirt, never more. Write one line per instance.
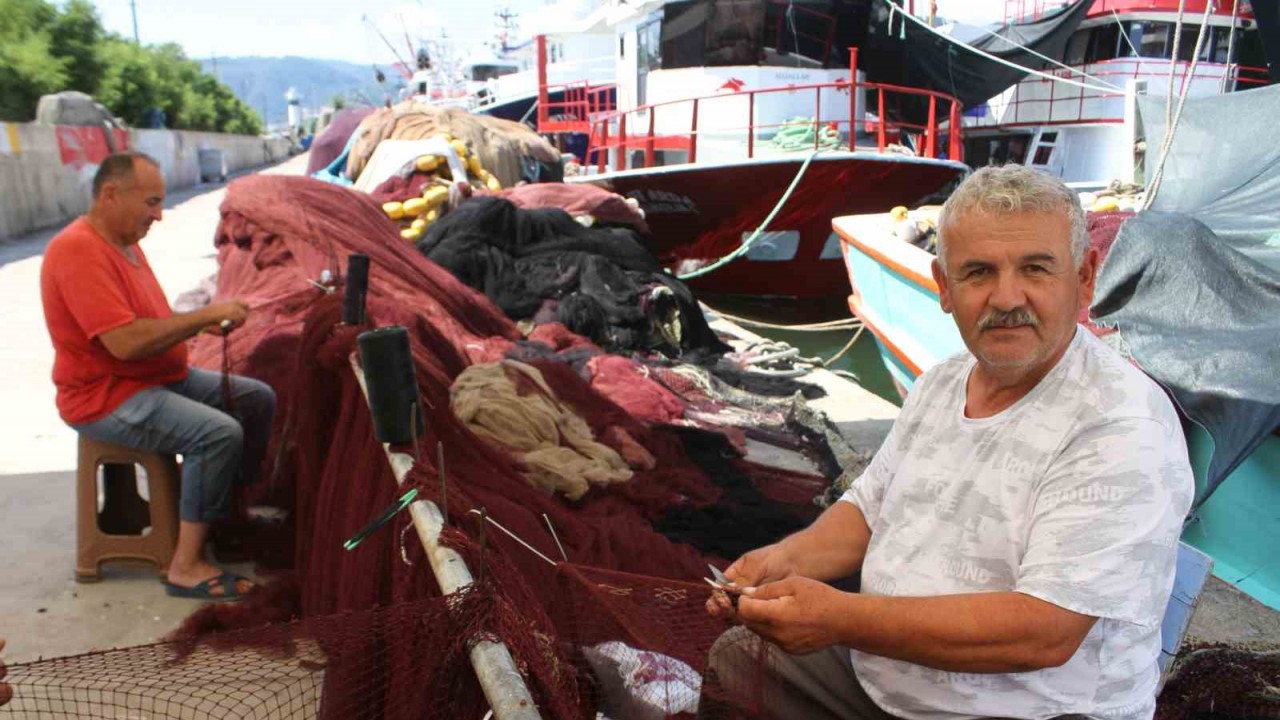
(120, 364)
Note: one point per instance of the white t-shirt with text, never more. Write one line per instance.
(1075, 495)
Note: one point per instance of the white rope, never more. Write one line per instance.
(1158, 177)
(555, 537)
(1000, 60)
(1173, 63)
(850, 323)
(513, 536)
(790, 352)
(759, 233)
(1048, 59)
(845, 349)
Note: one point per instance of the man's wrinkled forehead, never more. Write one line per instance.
(981, 231)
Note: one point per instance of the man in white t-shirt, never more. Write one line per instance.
(1016, 533)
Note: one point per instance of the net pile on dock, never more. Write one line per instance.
(501, 144)
(624, 615)
(614, 625)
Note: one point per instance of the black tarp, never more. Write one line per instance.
(1267, 13)
(599, 282)
(1193, 286)
(907, 54)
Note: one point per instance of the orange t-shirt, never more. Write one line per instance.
(89, 287)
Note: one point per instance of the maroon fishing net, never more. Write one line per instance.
(365, 633)
(603, 618)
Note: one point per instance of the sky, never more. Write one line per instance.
(333, 29)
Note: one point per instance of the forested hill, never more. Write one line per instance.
(263, 81)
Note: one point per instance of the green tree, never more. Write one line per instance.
(129, 80)
(75, 36)
(46, 50)
(28, 68)
(338, 102)
(174, 76)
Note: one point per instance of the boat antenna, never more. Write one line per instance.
(409, 43)
(403, 65)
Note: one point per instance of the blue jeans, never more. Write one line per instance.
(188, 418)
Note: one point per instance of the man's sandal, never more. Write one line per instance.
(207, 590)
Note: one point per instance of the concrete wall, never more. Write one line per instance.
(46, 170)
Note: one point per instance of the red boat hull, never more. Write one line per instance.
(700, 213)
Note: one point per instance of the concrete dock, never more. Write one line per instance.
(45, 613)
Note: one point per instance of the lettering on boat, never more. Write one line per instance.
(663, 202)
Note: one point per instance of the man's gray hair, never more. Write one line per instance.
(118, 166)
(1009, 189)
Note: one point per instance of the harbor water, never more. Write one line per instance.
(863, 359)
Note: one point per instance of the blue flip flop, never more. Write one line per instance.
(205, 590)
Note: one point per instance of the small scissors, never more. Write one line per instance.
(724, 585)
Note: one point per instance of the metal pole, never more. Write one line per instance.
(133, 8)
(495, 668)
(931, 132)
(1231, 46)
(693, 141)
(882, 140)
(956, 150)
(853, 96)
(648, 147)
(602, 152)
(620, 159)
(817, 117)
(544, 114)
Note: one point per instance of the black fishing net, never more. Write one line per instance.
(601, 282)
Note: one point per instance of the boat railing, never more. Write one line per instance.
(629, 139)
(1040, 101)
(581, 103)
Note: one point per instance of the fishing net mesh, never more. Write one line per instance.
(366, 633)
(624, 646)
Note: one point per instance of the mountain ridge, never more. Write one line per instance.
(262, 81)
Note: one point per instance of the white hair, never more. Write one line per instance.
(1010, 189)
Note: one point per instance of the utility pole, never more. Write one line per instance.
(133, 7)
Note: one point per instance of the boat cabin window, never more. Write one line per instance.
(649, 45)
(997, 149)
(787, 33)
(1078, 48)
(484, 73)
(1147, 39)
(1104, 43)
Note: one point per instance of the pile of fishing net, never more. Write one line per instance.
(542, 265)
(509, 150)
(598, 599)
(1218, 681)
(623, 614)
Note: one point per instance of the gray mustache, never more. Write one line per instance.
(1016, 317)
